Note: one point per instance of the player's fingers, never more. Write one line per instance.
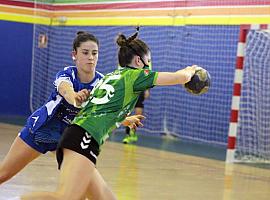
(84, 95)
(140, 117)
(139, 123)
(134, 126)
(136, 121)
(78, 98)
(86, 92)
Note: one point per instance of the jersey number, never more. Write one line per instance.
(103, 85)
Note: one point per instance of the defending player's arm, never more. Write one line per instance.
(72, 97)
(173, 78)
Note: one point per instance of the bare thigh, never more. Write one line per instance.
(79, 176)
(75, 175)
(98, 189)
(19, 155)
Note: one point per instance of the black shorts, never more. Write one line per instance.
(140, 101)
(77, 139)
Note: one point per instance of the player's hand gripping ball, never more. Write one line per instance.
(199, 83)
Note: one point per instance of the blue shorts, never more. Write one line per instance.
(46, 137)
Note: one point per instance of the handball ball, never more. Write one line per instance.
(199, 83)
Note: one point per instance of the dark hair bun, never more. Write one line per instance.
(82, 32)
(121, 40)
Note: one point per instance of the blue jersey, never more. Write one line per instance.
(57, 111)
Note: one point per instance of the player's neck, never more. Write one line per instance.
(86, 77)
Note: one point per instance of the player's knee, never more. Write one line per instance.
(5, 174)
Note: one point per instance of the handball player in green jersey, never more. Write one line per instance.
(112, 99)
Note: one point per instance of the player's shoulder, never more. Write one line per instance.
(70, 69)
(138, 71)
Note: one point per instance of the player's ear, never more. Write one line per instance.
(73, 55)
(138, 60)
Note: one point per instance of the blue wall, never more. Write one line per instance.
(16, 40)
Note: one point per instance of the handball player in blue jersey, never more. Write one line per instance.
(112, 99)
(44, 127)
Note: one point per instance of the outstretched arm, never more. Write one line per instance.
(173, 78)
(72, 97)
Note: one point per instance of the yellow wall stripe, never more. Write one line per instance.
(164, 21)
(25, 18)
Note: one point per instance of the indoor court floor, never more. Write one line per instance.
(137, 172)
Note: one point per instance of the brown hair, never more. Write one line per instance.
(129, 47)
(83, 36)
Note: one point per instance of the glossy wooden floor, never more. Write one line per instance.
(138, 173)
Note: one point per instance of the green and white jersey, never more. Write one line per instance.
(112, 99)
